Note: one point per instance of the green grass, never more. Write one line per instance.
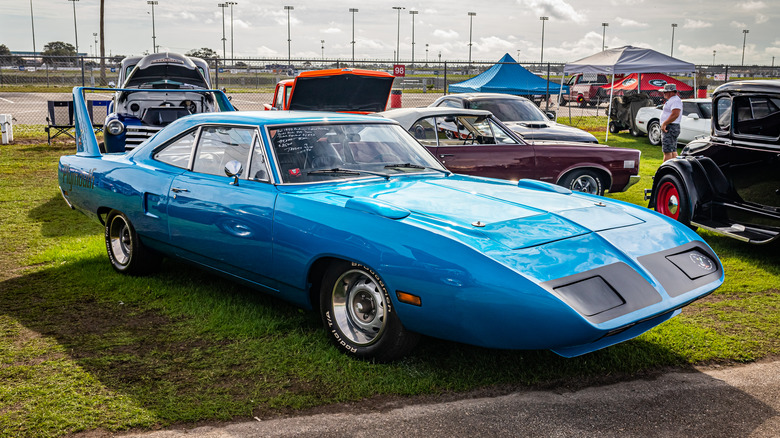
(84, 348)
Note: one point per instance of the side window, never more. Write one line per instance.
(501, 136)
(178, 152)
(258, 169)
(450, 104)
(689, 108)
(279, 104)
(572, 80)
(424, 131)
(220, 144)
(723, 114)
(451, 131)
(287, 91)
(757, 115)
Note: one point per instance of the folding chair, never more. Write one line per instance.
(98, 110)
(59, 111)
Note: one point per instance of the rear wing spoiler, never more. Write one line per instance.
(86, 141)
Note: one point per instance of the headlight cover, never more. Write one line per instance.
(115, 127)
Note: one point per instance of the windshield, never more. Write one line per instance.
(511, 110)
(314, 153)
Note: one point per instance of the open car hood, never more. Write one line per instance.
(344, 90)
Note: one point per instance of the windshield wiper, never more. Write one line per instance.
(415, 166)
(340, 171)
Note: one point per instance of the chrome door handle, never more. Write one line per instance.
(446, 155)
(178, 190)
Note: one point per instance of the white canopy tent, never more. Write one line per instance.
(627, 59)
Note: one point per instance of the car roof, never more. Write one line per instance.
(469, 96)
(407, 116)
(275, 117)
(752, 86)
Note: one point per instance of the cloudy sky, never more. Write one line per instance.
(573, 31)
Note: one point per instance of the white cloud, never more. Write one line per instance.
(752, 5)
(556, 9)
(331, 30)
(627, 22)
(761, 18)
(696, 24)
(738, 24)
(623, 3)
(445, 34)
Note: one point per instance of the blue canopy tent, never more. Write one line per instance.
(508, 77)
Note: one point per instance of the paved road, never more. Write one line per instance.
(742, 401)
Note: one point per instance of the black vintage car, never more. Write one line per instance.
(729, 183)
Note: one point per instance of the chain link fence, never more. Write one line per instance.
(26, 89)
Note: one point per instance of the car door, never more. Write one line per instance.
(223, 222)
(480, 146)
(692, 124)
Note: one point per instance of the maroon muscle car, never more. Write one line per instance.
(473, 142)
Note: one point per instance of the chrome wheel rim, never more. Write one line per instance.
(668, 200)
(359, 307)
(121, 241)
(655, 134)
(585, 183)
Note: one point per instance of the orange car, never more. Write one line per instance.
(342, 89)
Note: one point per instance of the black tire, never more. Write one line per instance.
(654, 133)
(613, 129)
(562, 101)
(634, 132)
(125, 251)
(359, 316)
(671, 199)
(584, 180)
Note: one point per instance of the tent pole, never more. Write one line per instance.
(609, 110)
(560, 92)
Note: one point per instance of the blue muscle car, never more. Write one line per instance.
(349, 215)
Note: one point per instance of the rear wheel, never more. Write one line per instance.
(672, 199)
(654, 133)
(586, 181)
(359, 316)
(613, 129)
(125, 251)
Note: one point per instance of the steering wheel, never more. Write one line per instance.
(470, 136)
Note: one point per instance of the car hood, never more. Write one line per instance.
(341, 92)
(544, 130)
(471, 209)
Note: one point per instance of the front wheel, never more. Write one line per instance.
(654, 133)
(359, 316)
(672, 199)
(125, 251)
(586, 181)
(613, 129)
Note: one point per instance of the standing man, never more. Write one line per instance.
(670, 121)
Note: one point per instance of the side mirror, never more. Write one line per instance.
(694, 116)
(112, 84)
(550, 115)
(234, 169)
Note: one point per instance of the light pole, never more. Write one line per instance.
(232, 56)
(154, 37)
(603, 35)
(744, 39)
(75, 28)
(671, 52)
(353, 10)
(288, 9)
(713, 57)
(224, 54)
(543, 19)
(94, 34)
(426, 54)
(323, 49)
(518, 55)
(413, 13)
(398, 37)
(471, 20)
(32, 22)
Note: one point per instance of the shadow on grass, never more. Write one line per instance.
(188, 346)
(58, 220)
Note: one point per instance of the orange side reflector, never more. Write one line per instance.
(408, 298)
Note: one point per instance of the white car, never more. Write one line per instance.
(696, 121)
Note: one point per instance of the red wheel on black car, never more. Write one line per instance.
(672, 200)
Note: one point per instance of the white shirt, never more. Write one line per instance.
(673, 103)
